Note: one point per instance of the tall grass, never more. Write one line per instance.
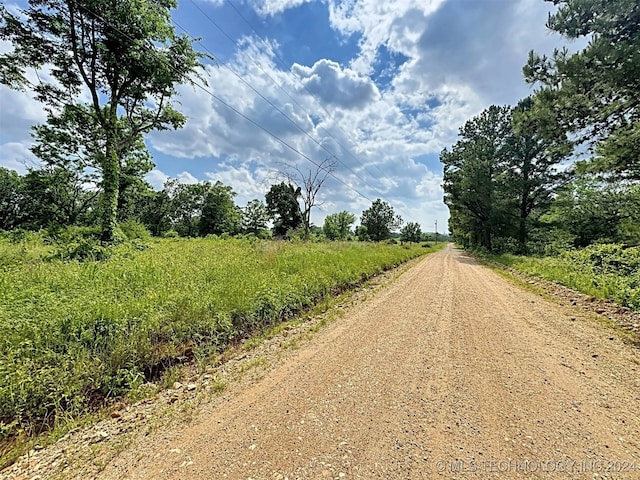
(73, 333)
(603, 271)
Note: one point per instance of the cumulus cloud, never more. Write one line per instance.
(336, 86)
(17, 156)
(156, 178)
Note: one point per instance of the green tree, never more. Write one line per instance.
(155, 211)
(125, 55)
(56, 196)
(411, 232)
(380, 220)
(587, 211)
(337, 226)
(283, 208)
(594, 93)
(471, 170)
(187, 201)
(531, 177)
(255, 217)
(11, 199)
(219, 212)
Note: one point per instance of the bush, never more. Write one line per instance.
(134, 230)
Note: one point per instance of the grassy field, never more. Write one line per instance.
(74, 333)
(603, 271)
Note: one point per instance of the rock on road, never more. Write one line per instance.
(449, 372)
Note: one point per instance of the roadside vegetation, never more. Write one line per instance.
(76, 333)
(603, 271)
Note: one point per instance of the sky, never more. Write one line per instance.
(378, 86)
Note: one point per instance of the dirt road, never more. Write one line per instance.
(450, 372)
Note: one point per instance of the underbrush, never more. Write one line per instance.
(76, 333)
(605, 271)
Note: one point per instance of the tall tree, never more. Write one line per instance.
(380, 220)
(283, 208)
(411, 232)
(310, 182)
(11, 199)
(125, 55)
(595, 93)
(531, 177)
(471, 170)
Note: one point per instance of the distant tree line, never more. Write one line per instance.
(54, 197)
(513, 181)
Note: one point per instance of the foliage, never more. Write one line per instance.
(380, 220)
(11, 199)
(219, 213)
(471, 172)
(128, 68)
(587, 211)
(337, 226)
(411, 232)
(80, 331)
(593, 93)
(608, 271)
(500, 177)
(255, 217)
(283, 208)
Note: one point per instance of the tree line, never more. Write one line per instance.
(51, 198)
(561, 169)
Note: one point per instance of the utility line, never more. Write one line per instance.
(277, 84)
(284, 64)
(152, 49)
(275, 107)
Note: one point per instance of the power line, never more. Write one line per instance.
(248, 84)
(152, 49)
(284, 64)
(275, 82)
(299, 81)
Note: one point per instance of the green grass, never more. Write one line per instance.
(76, 333)
(603, 271)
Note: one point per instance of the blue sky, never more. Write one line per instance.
(381, 85)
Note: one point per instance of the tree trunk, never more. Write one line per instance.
(110, 190)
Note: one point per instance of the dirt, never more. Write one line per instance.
(450, 371)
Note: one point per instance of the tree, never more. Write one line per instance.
(255, 217)
(594, 93)
(587, 211)
(187, 202)
(380, 220)
(471, 170)
(310, 183)
(156, 212)
(411, 232)
(11, 199)
(219, 212)
(531, 177)
(125, 55)
(337, 226)
(283, 208)
(56, 196)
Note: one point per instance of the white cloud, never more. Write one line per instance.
(186, 177)
(461, 57)
(156, 178)
(272, 7)
(337, 86)
(17, 156)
